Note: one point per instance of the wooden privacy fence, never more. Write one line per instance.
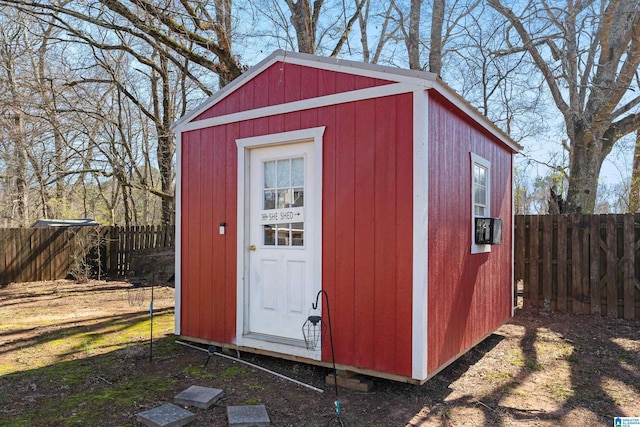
(124, 241)
(33, 254)
(580, 263)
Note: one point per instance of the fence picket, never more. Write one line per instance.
(547, 266)
(561, 255)
(534, 253)
(628, 279)
(594, 264)
(576, 286)
(612, 267)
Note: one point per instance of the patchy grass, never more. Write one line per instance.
(84, 361)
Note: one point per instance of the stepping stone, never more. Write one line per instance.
(248, 416)
(168, 415)
(200, 397)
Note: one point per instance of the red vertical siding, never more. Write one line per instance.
(404, 229)
(367, 203)
(343, 198)
(365, 189)
(206, 254)
(364, 261)
(469, 294)
(384, 230)
(205, 259)
(216, 257)
(327, 116)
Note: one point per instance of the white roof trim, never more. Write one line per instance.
(419, 79)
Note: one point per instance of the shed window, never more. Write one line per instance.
(480, 197)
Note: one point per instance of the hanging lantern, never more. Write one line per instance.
(313, 331)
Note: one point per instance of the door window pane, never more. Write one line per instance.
(298, 197)
(297, 234)
(269, 201)
(270, 235)
(283, 235)
(284, 173)
(297, 172)
(284, 198)
(269, 174)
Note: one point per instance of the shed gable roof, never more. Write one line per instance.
(238, 96)
(283, 82)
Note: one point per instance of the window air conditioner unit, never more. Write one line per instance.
(488, 231)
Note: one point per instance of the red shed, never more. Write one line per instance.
(311, 173)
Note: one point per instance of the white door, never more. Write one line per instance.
(281, 217)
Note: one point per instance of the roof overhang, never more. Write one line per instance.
(420, 80)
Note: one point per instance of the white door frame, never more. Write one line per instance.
(313, 236)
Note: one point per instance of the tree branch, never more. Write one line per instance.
(542, 65)
(347, 30)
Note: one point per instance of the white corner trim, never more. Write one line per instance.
(513, 226)
(244, 147)
(420, 236)
(178, 237)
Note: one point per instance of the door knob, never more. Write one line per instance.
(252, 248)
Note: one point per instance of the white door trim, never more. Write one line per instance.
(245, 145)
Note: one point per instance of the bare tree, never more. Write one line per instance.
(11, 48)
(198, 30)
(634, 187)
(502, 87)
(587, 53)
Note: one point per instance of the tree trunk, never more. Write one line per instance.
(20, 171)
(165, 144)
(435, 52)
(362, 21)
(634, 188)
(413, 43)
(19, 139)
(584, 170)
(304, 19)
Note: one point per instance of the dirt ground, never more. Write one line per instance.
(79, 355)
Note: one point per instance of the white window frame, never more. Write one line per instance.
(484, 163)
